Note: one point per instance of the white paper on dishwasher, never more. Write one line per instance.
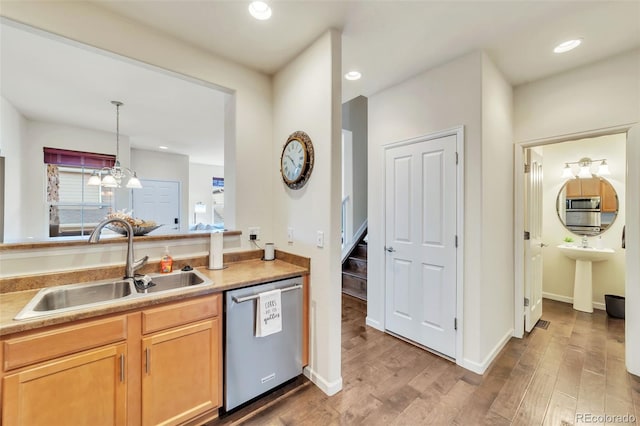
(269, 313)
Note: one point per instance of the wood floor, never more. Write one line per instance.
(558, 376)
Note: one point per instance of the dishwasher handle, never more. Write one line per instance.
(255, 296)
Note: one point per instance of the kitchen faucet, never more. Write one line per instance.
(132, 265)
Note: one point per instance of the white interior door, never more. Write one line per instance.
(159, 201)
(420, 238)
(534, 245)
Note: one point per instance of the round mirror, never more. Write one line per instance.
(587, 206)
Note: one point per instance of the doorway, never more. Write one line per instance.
(159, 201)
(558, 269)
(423, 255)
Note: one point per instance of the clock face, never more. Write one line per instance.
(296, 161)
(293, 160)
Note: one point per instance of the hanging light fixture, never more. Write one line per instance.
(567, 172)
(585, 171)
(115, 176)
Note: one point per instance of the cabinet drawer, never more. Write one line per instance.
(34, 348)
(180, 313)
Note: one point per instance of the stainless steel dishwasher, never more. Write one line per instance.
(254, 365)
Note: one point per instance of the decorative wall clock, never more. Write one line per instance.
(296, 161)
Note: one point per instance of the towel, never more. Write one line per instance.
(268, 313)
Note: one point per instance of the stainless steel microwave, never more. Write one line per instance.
(584, 203)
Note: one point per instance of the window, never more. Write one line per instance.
(74, 207)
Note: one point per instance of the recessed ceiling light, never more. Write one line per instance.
(567, 45)
(260, 10)
(163, 147)
(353, 75)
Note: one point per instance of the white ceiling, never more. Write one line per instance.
(388, 41)
(51, 80)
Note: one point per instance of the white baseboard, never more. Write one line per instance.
(374, 323)
(480, 368)
(326, 387)
(566, 299)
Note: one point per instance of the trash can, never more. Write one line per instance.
(614, 305)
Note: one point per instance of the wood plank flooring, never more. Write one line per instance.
(569, 374)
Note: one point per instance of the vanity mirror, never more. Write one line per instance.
(587, 206)
(56, 93)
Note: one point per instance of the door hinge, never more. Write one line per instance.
(526, 302)
(527, 235)
(455, 323)
(527, 168)
(456, 241)
(456, 158)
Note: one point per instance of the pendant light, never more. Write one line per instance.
(115, 176)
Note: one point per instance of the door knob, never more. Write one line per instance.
(544, 245)
(389, 249)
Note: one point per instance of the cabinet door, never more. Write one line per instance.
(609, 200)
(181, 373)
(84, 389)
(590, 187)
(573, 188)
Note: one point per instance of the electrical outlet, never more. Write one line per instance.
(254, 233)
(320, 239)
(290, 235)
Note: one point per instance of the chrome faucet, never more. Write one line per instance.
(585, 242)
(132, 265)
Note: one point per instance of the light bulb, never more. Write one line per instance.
(260, 10)
(134, 182)
(109, 181)
(585, 172)
(603, 169)
(94, 180)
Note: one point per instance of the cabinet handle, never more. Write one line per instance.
(122, 368)
(147, 356)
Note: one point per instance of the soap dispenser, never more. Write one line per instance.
(166, 262)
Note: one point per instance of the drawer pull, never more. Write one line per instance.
(147, 356)
(122, 368)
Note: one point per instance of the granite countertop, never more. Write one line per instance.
(235, 275)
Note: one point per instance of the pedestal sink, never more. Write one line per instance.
(583, 284)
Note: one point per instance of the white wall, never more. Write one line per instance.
(354, 118)
(632, 298)
(588, 100)
(34, 208)
(90, 24)
(307, 98)
(438, 99)
(200, 188)
(559, 271)
(166, 166)
(496, 295)
(596, 96)
(12, 133)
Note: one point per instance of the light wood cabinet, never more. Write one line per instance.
(82, 389)
(590, 187)
(160, 365)
(573, 188)
(182, 361)
(181, 373)
(583, 188)
(609, 199)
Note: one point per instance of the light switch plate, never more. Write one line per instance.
(320, 239)
(290, 235)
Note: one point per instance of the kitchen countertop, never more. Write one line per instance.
(235, 275)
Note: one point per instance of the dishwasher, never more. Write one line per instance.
(254, 365)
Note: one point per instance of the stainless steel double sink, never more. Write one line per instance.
(54, 300)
